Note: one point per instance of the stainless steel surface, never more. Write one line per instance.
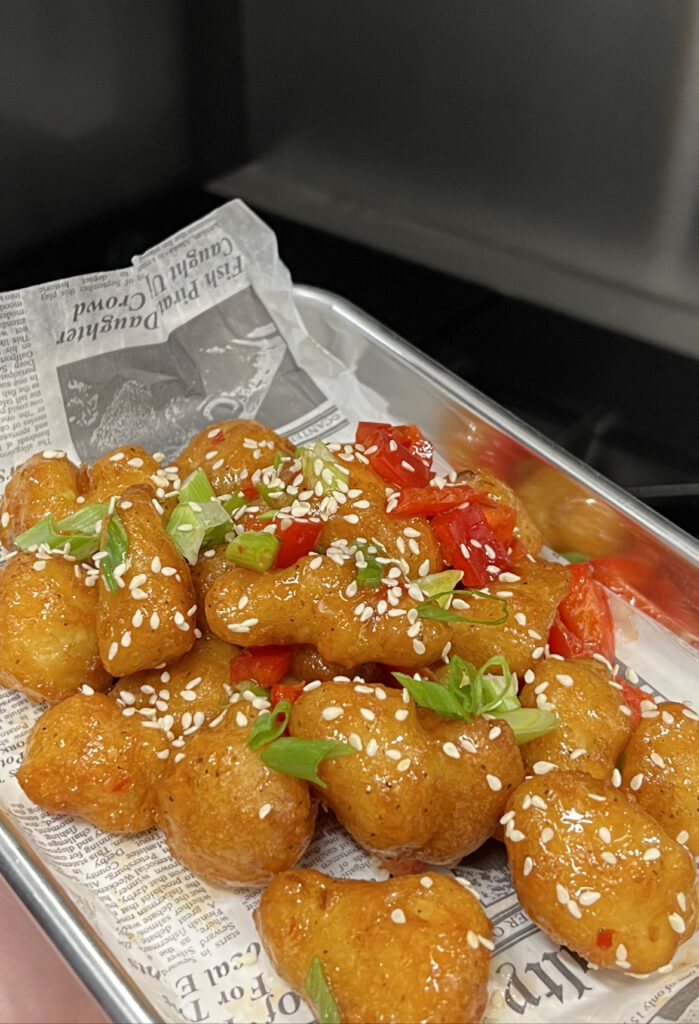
(547, 150)
(462, 421)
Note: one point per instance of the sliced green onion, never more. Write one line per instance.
(300, 758)
(234, 502)
(528, 723)
(269, 726)
(253, 687)
(319, 466)
(574, 556)
(431, 609)
(117, 547)
(43, 532)
(187, 532)
(438, 697)
(253, 550)
(326, 1009)
(196, 488)
(499, 690)
(440, 585)
(369, 571)
(76, 534)
(84, 520)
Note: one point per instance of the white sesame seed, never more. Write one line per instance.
(486, 943)
(528, 866)
(657, 759)
(677, 923)
(547, 835)
(604, 834)
(264, 810)
(354, 741)
(586, 899)
(573, 909)
(451, 750)
(682, 901)
(682, 837)
(609, 858)
(543, 767)
(426, 882)
(418, 647)
(241, 719)
(367, 714)
(562, 894)
(494, 732)
(401, 714)
(472, 939)
(621, 952)
(163, 754)
(314, 685)
(539, 802)
(372, 747)
(404, 764)
(494, 783)
(331, 713)
(397, 916)
(113, 651)
(515, 836)
(5, 521)
(616, 778)
(652, 854)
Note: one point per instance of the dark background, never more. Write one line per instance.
(116, 117)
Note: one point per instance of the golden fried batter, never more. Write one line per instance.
(308, 604)
(411, 949)
(597, 873)
(661, 771)
(46, 483)
(535, 595)
(127, 466)
(84, 757)
(151, 619)
(206, 571)
(221, 452)
(48, 629)
(595, 721)
(420, 787)
(226, 815)
(194, 685)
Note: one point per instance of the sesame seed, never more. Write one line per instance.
(38, 565)
(682, 901)
(418, 647)
(404, 764)
(426, 882)
(472, 939)
(241, 719)
(682, 837)
(113, 650)
(451, 750)
(314, 685)
(616, 778)
(494, 732)
(543, 767)
(528, 866)
(652, 854)
(264, 810)
(547, 835)
(5, 521)
(515, 836)
(539, 802)
(126, 639)
(604, 834)
(586, 899)
(486, 943)
(494, 783)
(621, 952)
(657, 759)
(331, 713)
(573, 909)
(677, 923)
(609, 858)
(354, 741)
(562, 894)
(372, 747)
(367, 714)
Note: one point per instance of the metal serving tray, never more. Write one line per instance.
(467, 428)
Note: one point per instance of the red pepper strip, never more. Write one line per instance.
(391, 459)
(633, 697)
(502, 520)
(468, 543)
(297, 540)
(286, 691)
(583, 625)
(265, 665)
(430, 501)
(415, 441)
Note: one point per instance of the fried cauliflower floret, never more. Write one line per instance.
(207, 570)
(151, 619)
(597, 873)
(407, 950)
(84, 757)
(595, 721)
(420, 787)
(48, 629)
(45, 484)
(226, 815)
(127, 466)
(661, 771)
(230, 452)
(193, 686)
(308, 604)
(532, 601)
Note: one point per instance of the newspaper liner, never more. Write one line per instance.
(200, 328)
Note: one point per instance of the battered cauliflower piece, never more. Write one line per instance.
(597, 873)
(533, 594)
(661, 771)
(192, 690)
(230, 452)
(85, 757)
(595, 720)
(207, 570)
(226, 815)
(48, 629)
(308, 603)
(47, 483)
(420, 787)
(127, 466)
(150, 620)
(411, 949)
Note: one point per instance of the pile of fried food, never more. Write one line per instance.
(228, 640)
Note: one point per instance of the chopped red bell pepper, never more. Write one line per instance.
(468, 542)
(286, 691)
(633, 697)
(430, 501)
(390, 458)
(297, 540)
(605, 937)
(216, 438)
(265, 665)
(583, 625)
(415, 441)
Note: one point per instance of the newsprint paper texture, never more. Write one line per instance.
(201, 328)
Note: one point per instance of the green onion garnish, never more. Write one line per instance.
(269, 726)
(468, 692)
(575, 556)
(433, 609)
(196, 488)
(186, 531)
(253, 687)
(326, 1009)
(117, 547)
(369, 571)
(76, 535)
(253, 550)
(440, 585)
(300, 758)
(319, 467)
